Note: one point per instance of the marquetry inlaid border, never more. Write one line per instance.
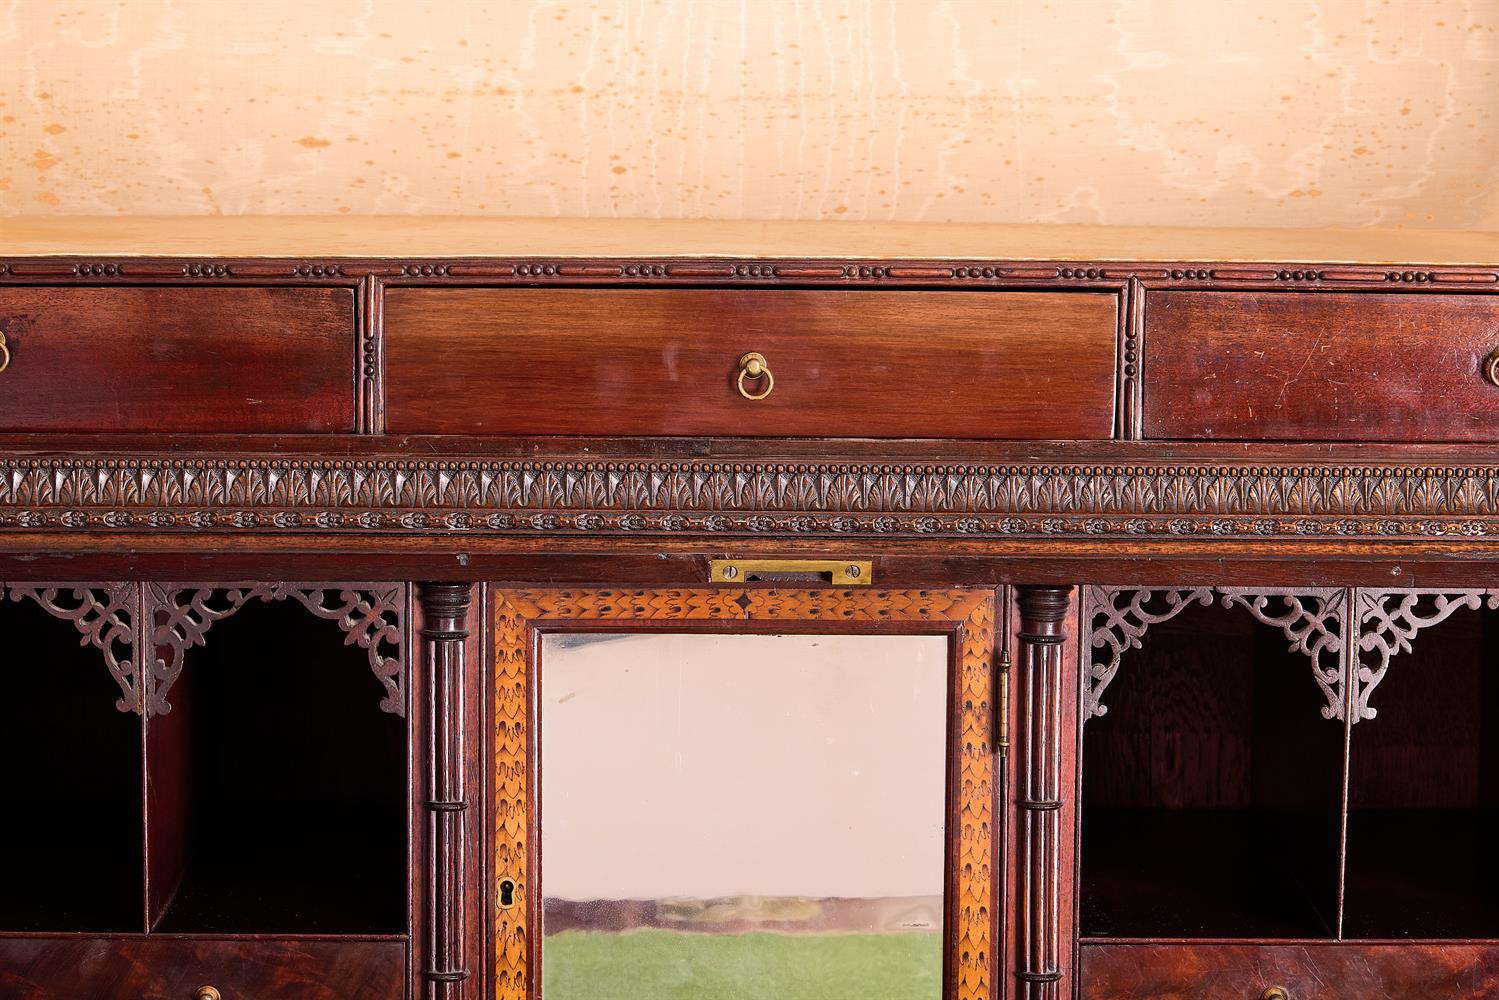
(969, 615)
(459, 497)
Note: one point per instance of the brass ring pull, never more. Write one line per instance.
(1275, 993)
(206, 993)
(1490, 366)
(751, 366)
(4, 352)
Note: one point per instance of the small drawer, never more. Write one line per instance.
(1343, 971)
(648, 362)
(1320, 366)
(188, 360)
(179, 968)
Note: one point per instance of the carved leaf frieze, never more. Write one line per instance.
(1311, 619)
(370, 616)
(402, 495)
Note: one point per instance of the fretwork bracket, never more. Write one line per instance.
(370, 615)
(104, 615)
(1388, 620)
(1311, 619)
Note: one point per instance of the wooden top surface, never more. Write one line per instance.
(426, 236)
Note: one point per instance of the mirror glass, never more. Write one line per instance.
(727, 816)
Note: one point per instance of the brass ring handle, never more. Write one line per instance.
(4, 352)
(1490, 366)
(206, 993)
(752, 365)
(1275, 993)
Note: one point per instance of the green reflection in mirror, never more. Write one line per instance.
(742, 816)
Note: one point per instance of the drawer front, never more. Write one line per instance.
(1396, 971)
(1320, 366)
(230, 360)
(174, 969)
(664, 362)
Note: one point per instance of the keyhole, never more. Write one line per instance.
(507, 893)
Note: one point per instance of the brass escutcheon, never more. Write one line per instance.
(751, 366)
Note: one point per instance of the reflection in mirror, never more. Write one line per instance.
(742, 816)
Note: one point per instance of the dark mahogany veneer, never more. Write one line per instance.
(1074, 450)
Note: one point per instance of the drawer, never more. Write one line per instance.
(228, 360)
(1319, 366)
(665, 362)
(1351, 971)
(175, 968)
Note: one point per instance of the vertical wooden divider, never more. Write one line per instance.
(1046, 732)
(445, 634)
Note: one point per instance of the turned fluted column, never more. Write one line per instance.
(1042, 632)
(444, 634)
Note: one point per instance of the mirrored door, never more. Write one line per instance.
(744, 793)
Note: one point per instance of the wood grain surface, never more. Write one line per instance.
(1324, 367)
(177, 359)
(651, 362)
(41, 968)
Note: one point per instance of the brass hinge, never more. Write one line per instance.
(844, 572)
(1003, 722)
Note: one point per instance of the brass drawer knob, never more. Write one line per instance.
(752, 367)
(1490, 366)
(1275, 993)
(206, 993)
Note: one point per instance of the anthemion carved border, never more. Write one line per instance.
(104, 614)
(459, 497)
(1311, 619)
(370, 614)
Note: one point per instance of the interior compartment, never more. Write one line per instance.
(1424, 789)
(70, 843)
(1211, 788)
(278, 785)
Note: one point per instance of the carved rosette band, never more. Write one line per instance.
(370, 615)
(1311, 619)
(538, 497)
(104, 614)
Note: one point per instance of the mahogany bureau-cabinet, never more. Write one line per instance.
(504, 609)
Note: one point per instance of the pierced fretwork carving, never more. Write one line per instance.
(369, 614)
(1389, 619)
(103, 613)
(1117, 618)
(1311, 619)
